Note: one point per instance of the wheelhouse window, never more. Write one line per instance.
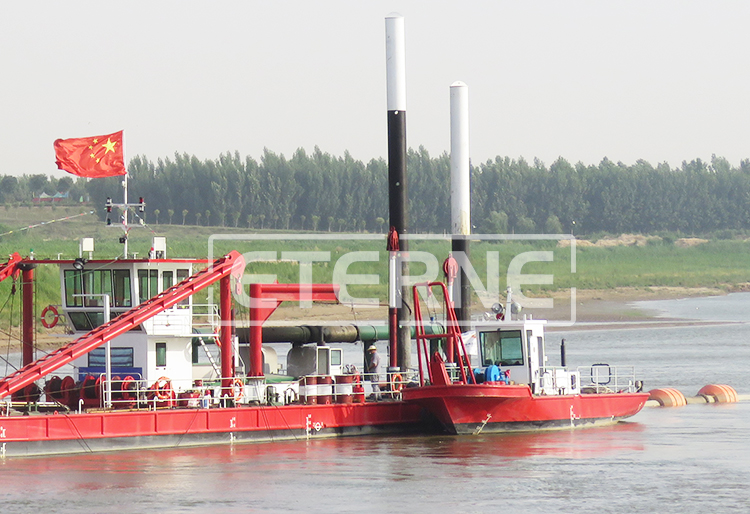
(167, 278)
(73, 287)
(182, 274)
(502, 348)
(121, 283)
(87, 282)
(148, 284)
(116, 283)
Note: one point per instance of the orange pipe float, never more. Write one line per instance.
(668, 397)
(720, 393)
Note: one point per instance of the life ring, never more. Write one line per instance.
(238, 387)
(397, 383)
(55, 316)
(163, 388)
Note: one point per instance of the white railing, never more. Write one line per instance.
(603, 378)
(137, 393)
(206, 315)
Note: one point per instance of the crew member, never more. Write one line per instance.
(372, 365)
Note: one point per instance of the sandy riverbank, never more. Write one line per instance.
(613, 306)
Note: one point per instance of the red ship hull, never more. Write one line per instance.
(46, 434)
(471, 409)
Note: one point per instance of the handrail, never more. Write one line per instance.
(618, 378)
(453, 335)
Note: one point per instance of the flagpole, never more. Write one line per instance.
(125, 201)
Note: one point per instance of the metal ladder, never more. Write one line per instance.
(217, 370)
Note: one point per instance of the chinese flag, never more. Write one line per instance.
(97, 156)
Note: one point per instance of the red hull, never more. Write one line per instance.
(105, 431)
(469, 408)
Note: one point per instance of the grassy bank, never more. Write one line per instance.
(723, 264)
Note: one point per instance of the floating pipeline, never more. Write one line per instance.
(712, 393)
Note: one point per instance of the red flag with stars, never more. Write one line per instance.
(93, 157)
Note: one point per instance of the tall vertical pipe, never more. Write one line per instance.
(27, 291)
(397, 200)
(225, 335)
(461, 198)
(256, 331)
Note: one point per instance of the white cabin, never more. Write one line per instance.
(518, 347)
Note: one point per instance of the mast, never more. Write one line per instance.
(397, 203)
(461, 198)
(125, 213)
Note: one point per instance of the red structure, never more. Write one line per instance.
(266, 298)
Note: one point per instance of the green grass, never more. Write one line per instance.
(718, 263)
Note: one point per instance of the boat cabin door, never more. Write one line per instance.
(328, 360)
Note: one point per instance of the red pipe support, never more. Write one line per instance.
(265, 298)
(27, 336)
(225, 335)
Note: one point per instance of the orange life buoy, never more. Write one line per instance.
(397, 382)
(163, 388)
(238, 387)
(55, 316)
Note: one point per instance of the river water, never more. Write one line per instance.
(689, 459)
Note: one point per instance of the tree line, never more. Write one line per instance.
(321, 192)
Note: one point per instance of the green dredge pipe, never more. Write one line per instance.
(329, 334)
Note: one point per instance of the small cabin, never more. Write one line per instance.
(517, 347)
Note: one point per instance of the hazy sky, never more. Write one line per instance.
(654, 80)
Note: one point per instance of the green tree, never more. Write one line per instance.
(496, 223)
(525, 225)
(64, 184)
(553, 225)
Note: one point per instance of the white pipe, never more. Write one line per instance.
(460, 171)
(125, 214)
(107, 358)
(395, 62)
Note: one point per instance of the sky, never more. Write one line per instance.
(663, 81)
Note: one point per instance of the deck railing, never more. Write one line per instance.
(603, 378)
